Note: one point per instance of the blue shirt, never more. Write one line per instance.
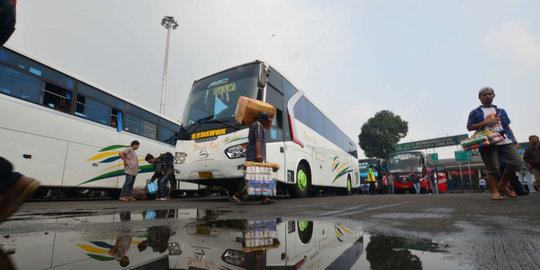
(477, 115)
(256, 133)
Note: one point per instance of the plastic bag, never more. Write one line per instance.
(152, 188)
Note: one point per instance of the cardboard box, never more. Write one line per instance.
(256, 165)
(247, 110)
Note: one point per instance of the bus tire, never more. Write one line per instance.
(348, 190)
(305, 230)
(303, 182)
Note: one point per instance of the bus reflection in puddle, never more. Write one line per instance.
(203, 239)
(264, 244)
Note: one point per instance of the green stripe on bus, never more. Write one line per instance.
(116, 146)
(341, 173)
(142, 169)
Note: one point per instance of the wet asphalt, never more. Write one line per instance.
(469, 230)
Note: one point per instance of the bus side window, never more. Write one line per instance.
(274, 97)
(19, 84)
(57, 98)
(141, 122)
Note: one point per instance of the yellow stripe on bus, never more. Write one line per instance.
(102, 155)
(342, 165)
(92, 249)
(343, 228)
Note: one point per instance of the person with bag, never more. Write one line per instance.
(490, 117)
(164, 172)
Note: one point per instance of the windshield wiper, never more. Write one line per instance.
(222, 122)
(198, 121)
(208, 119)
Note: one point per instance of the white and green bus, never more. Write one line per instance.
(67, 132)
(312, 152)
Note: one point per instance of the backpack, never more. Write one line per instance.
(167, 159)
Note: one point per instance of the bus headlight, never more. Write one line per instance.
(179, 157)
(234, 257)
(237, 151)
(174, 248)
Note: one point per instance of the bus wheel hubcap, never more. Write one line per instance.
(349, 185)
(302, 180)
(302, 225)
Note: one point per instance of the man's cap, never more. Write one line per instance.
(485, 89)
(263, 116)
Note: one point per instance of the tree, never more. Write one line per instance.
(381, 133)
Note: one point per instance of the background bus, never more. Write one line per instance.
(363, 165)
(403, 163)
(67, 132)
(312, 152)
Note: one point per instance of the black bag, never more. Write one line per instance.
(167, 159)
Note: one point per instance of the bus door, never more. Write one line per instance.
(275, 146)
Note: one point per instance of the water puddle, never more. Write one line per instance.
(203, 239)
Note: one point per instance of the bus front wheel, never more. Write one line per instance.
(348, 190)
(303, 181)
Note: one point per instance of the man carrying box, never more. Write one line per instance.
(255, 150)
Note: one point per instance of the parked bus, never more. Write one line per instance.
(312, 152)
(67, 132)
(403, 163)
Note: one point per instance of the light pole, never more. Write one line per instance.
(168, 22)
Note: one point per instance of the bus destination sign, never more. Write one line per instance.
(431, 143)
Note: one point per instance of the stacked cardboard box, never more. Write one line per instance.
(261, 179)
(247, 110)
(260, 234)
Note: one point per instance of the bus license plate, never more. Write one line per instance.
(206, 175)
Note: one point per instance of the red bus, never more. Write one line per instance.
(403, 163)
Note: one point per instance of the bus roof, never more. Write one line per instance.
(227, 69)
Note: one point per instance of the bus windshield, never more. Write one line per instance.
(409, 162)
(215, 98)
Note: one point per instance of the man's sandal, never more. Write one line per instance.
(238, 200)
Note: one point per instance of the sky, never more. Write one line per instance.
(423, 60)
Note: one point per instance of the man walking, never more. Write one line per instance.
(490, 117)
(532, 157)
(131, 169)
(391, 181)
(415, 181)
(435, 181)
(255, 151)
(371, 179)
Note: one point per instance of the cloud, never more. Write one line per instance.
(514, 42)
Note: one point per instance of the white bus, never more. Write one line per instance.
(312, 152)
(67, 132)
